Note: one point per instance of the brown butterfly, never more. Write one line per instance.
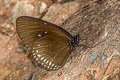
(49, 45)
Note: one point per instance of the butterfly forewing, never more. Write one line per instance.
(47, 43)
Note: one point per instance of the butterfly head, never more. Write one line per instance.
(74, 41)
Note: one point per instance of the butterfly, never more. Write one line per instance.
(49, 45)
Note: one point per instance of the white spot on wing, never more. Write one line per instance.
(33, 54)
(42, 58)
(45, 23)
(36, 59)
(55, 65)
(57, 68)
(39, 35)
(45, 65)
(42, 63)
(50, 63)
(48, 67)
(33, 48)
(46, 32)
(54, 69)
(45, 60)
(39, 55)
(28, 48)
(36, 51)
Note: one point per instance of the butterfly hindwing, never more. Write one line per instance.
(50, 53)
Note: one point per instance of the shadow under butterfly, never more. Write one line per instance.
(49, 45)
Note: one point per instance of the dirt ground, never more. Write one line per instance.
(97, 22)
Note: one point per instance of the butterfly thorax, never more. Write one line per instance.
(73, 43)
